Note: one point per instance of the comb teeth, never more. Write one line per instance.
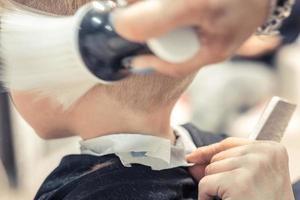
(274, 120)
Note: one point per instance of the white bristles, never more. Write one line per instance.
(39, 53)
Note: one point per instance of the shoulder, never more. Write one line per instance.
(69, 174)
(86, 177)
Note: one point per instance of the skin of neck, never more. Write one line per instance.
(100, 116)
(95, 114)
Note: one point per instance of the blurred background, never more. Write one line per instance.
(224, 98)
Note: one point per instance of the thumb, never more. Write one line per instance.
(197, 171)
(203, 155)
(148, 19)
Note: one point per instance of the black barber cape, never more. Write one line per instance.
(296, 190)
(87, 177)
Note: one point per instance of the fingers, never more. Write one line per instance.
(136, 22)
(221, 166)
(204, 57)
(233, 152)
(214, 185)
(215, 163)
(236, 162)
(197, 171)
(210, 52)
(224, 161)
(147, 19)
(204, 155)
(219, 29)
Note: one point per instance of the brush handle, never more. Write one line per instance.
(102, 49)
(177, 46)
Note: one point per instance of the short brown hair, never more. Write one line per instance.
(59, 7)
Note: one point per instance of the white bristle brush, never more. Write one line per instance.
(38, 54)
(63, 57)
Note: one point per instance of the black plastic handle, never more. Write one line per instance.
(102, 49)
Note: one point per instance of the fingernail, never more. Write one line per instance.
(142, 71)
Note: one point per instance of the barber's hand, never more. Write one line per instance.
(222, 25)
(237, 169)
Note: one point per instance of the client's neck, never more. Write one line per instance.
(90, 121)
